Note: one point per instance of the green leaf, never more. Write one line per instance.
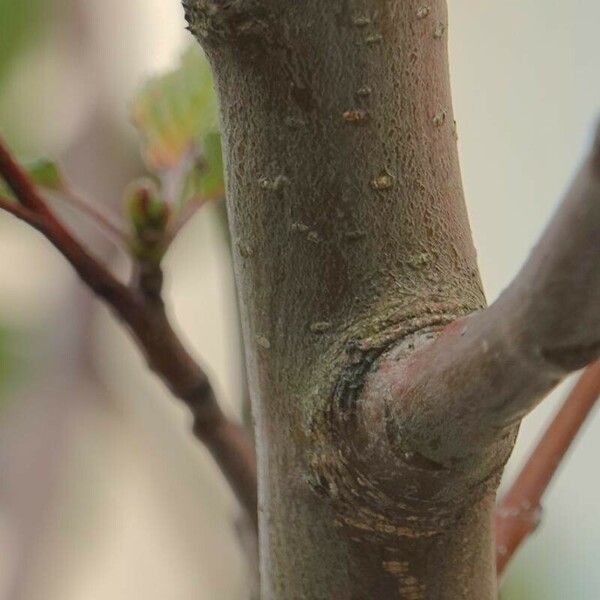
(46, 174)
(205, 180)
(176, 115)
(212, 185)
(175, 111)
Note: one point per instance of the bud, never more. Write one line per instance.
(145, 208)
(149, 215)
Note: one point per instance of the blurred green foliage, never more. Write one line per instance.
(46, 174)
(206, 180)
(177, 117)
(20, 23)
(10, 373)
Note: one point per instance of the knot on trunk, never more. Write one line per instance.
(396, 330)
(378, 495)
(378, 482)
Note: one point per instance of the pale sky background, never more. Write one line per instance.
(526, 89)
(526, 96)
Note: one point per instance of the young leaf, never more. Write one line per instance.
(173, 112)
(176, 115)
(205, 180)
(46, 174)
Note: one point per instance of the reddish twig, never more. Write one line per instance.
(97, 277)
(103, 221)
(20, 183)
(518, 513)
(140, 307)
(21, 212)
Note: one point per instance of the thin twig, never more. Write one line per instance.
(105, 223)
(519, 512)
(20, 183)
(96, 275)
(21, 212)
(184, 216)
(142, 310)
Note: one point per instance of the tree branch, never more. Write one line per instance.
(21, 212)
(352, 249)
(142, 310)
(93, 273)
(350, 232)
(518, 513)
(493, 366)
(101, 220)
(20, 183)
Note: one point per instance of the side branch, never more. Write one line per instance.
(493, 367)
(140, 307)
(518, 514)
(35, 211)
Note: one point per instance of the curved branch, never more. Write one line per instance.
(144, 314)
(518, 513)
(477, 380)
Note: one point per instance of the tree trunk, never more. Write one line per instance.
(352, 248)
(386, 397)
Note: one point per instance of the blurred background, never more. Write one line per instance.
(103, 492)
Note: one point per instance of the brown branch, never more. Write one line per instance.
(518, 513)
(140, 307)
(494, 366)
(22, 213)
(20, 183)
(93, 273)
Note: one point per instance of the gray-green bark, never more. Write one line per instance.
(352, 251)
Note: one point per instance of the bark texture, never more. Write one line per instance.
(352, 253)
(346, 204)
